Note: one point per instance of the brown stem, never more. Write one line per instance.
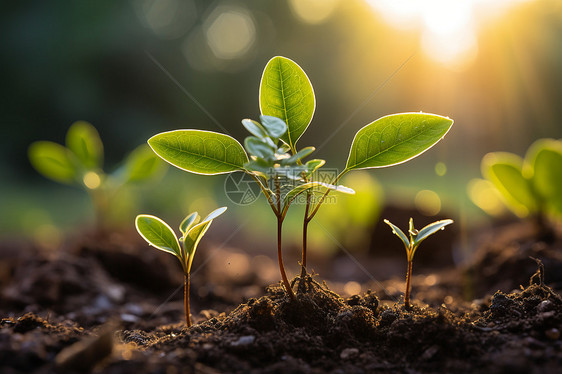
(186, 300)
(279, 234)
(304, 234)
(408, 284)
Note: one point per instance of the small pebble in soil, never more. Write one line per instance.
(243, 340)
(552, 334)
(545, 306)
(348, 353)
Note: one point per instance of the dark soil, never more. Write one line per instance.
(97, 305)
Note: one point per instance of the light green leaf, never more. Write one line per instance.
(189, 221)
(292, 194)
(298, 156)
(53, 161)
(194, 235)
(257, 147)
(141, 165)
(274, 126)
(313, 165)
(200, 152)
(430, 229)
(504, 171)
(395, 139)
(396, 231)
(83, 139)
(545, 157)
(158, 234)
(254, 128)
(286, 93)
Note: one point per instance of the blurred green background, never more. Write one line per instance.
(137, 68)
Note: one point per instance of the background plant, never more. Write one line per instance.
(80, 163)
(530, 186)
(287, 104)
(412, 244)
(161, 236)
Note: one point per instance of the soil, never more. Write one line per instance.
(97, 305)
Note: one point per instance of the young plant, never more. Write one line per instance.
(161, 236)
(287, 104)
(79, 163)
(531, 186)
(412, 244)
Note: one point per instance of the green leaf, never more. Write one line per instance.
(142, 164)
(194, 235)
(430, 229)
(83, 139)
(200, 152)
(545, 157)
(54, 161)
(504, 171)
(286, 93)
(189, 221)
(257, 147)
(260, 166)
(313, 165)
(292, 194)
(274, 126)
(254, 128)
(298, 156)
(395, 139)
(158, 234)
(396, 231)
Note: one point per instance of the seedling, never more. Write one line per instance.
(412, 244)
(531, 186)
(287, 104)
(79, 163)
(161, 236)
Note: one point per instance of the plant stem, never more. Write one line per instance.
(408, 285)
(315, 210)
(305, 233)
(280, 218)
(186, 300)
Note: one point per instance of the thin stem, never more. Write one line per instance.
(186, 300)
(266, 193)
(315, 210)
(279, 234)
(304, 233)
(408, 285)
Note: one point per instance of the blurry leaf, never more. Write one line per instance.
(399, 233)
(286, 93)
(158, 234)
(274, 126)
(504, 170)
(261, 166)
(395, 139)
(142, 164)
(200, 152)
(83, 139)
(254, 128)
(313, 165)
(53, 161)
(545, 156)
(215, 213)
(430, 229)
(298, 156)
(259, 148)
(189, 221)
(292, 194)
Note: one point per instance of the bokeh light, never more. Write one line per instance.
(313, 11)
(230, 32)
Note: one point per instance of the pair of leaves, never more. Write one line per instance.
(528, 185)
(417, 236)
(161, 236)
(83, 152)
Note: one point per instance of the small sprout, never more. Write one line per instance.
(80, 162)
(529, 186)
(161, 236)
(412, 244)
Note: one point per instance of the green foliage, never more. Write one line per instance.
(161, 236)
(286, 93)
(200, 152)
(529, 186)
(80, 162)
(395, 139)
